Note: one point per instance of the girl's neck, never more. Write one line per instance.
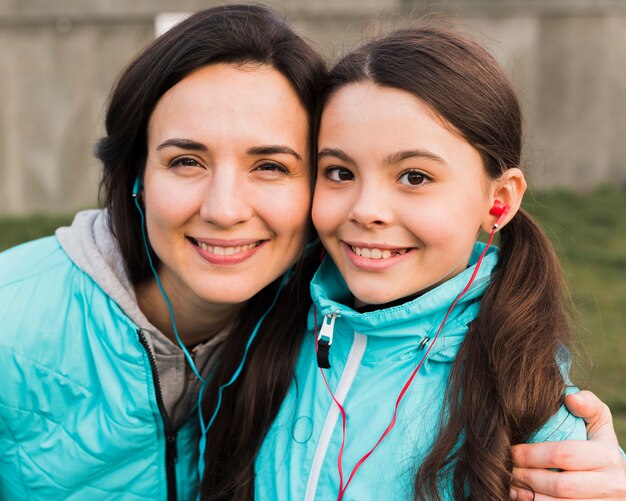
(362, 307)
(196, 321)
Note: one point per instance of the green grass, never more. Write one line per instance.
(15, 230)
(589, 233)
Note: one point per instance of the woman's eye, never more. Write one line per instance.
(413, 178)
(184, 162)
(339, 174)
(272, 167)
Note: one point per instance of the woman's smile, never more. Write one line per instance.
(227, 252)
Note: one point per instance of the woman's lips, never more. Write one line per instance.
(226, 252)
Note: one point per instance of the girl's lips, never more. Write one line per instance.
(375, 258)
(226, 252)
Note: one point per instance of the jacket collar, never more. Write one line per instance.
(408, 323)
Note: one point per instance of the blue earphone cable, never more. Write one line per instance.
(204, 429)
(167, 300)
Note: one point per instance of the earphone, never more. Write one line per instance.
(137, 187)
(498, 209)
(204, 428)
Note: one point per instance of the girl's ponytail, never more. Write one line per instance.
(507, 379)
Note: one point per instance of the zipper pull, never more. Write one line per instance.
(324, 340)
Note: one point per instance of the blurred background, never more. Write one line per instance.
(567, 59)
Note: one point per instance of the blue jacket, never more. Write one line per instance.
(80, 411)
(372, 355)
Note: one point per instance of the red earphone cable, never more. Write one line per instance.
(342, 488)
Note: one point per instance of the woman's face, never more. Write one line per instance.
(227, 182)
(400, 198)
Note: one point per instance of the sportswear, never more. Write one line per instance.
(95, 402)
(372, 355)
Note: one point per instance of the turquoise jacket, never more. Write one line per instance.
(80, 411)
(372, 355)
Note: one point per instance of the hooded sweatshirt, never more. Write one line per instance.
(94, 400)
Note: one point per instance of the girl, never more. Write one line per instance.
(207, 188)
(428, 355)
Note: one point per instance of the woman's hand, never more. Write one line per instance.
(595, 469)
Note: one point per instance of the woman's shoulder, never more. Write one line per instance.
(30, 259)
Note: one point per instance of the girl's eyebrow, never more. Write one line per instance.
(336, 153)
(398, 157)
(392, 159)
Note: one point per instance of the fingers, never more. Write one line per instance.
(596, 414)
(572, 455)
(565, 485)
(519, 494)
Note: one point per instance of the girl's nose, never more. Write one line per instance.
(371, 207)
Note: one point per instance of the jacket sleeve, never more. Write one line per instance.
(561, 426)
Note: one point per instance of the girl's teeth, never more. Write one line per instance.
(377, 253)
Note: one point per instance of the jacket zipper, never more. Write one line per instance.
(345, 382)
(170, 436)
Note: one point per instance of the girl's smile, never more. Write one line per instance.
(375, 257)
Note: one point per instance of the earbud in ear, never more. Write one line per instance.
(137, 187)
(501, 210)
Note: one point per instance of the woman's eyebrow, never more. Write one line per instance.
(273, 150)
(336, 153)
(188, 144)
(185, 144)
(398, 157)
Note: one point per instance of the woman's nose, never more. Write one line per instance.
(226, 199)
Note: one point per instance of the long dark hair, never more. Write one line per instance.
(234, 34)
(506, 381)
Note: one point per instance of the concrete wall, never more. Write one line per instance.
(58, 61)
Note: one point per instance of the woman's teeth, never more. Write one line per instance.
(227, 251)
(374, 253)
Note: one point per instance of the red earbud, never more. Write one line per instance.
(499, 209)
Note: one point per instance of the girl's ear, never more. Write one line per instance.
(509, 189)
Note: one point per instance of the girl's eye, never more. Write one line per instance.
(184, 162)
(413, 178)
(272, 167)
(339, 174)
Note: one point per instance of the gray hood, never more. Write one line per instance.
(90, 244)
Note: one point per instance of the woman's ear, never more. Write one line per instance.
(509, 189)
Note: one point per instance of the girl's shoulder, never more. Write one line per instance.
(563, 425)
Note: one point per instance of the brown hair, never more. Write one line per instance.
(228, 34)
(506, 381)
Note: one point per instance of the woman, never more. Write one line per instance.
(207, 151)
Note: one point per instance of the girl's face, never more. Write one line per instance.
(226, 183)
(400, 198)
